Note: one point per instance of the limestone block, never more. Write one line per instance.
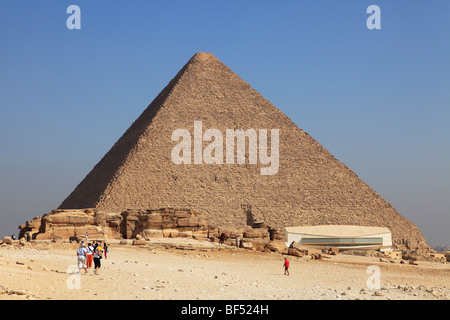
(7, 240)
(58, 240)
(111, 233)
(182, 213)
(44, 236)
(131, 216)
(92, 230)
(152, 233)
(170, 233)
(200, 234)
(153, 221)
(183, 222)
(63, 232)
(256, 233)
(190, 222)
(169, 222)
(257, 242)
(276, 246)
(277, 234)
(139, 242)
(295, 252)
(81, 220)
(185, 234)
(57, 218)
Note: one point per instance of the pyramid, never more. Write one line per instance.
(310, 186)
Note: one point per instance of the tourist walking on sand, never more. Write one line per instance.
(96, 244)
(98, 252)
(286, 266)
(81, 254)
(105, 250)
(89, 254)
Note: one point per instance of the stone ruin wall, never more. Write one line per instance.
(144, 225)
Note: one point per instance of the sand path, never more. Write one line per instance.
(191, 270)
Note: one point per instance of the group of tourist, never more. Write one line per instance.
(92, 252)
(95, 252)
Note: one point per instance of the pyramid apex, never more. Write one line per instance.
(203, 57)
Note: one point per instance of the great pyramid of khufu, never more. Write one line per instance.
(309, 187)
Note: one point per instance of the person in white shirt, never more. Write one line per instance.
(81, 253)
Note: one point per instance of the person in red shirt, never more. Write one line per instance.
(286, 266)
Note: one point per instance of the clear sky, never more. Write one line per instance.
(378, 100)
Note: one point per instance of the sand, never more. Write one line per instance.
(181, 269)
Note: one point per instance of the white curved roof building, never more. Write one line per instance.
(341, 237)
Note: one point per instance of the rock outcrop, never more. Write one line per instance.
(143, 225)
(74, 224)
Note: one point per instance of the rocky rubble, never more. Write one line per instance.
(410, 255)
(144, 225)
(4, 290)
(300, 251)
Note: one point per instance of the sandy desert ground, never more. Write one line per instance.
(181, 269)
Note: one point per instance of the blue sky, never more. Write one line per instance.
(378, 100)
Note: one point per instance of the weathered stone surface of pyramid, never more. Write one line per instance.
(310, 187)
